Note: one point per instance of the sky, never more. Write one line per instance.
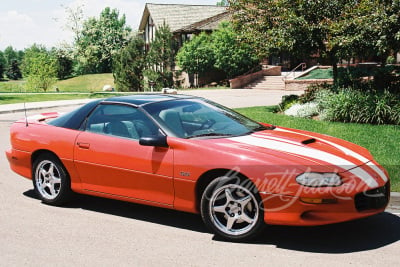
(25, 22)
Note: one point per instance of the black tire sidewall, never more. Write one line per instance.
(205, 209)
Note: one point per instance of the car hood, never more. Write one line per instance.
(303, 148)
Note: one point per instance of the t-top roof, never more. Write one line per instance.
(141, 99)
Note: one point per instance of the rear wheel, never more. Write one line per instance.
(231, 209)
(50, 180)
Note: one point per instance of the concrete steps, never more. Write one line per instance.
(268, 83)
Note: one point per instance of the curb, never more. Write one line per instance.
(394, 203)
(21, 107)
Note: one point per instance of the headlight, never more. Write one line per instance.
(315, 179)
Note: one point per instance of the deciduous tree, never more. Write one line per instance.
(231, 56)
(39, 68)
(99, 39)
(197, 55)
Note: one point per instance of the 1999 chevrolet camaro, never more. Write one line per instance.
(190, 154)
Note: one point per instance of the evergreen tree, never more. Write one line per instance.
(13, 61)
(128, 65)
(2, 65)
(14, 72)
(160, 58)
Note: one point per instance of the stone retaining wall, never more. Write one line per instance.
(297, 85)
(242, 81)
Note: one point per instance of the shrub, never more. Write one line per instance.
(312, 91)
(360, 107)
(288, 101)
(307, 110)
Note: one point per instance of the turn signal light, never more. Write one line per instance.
(318, 200)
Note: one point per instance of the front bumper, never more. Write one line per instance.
(291, 210)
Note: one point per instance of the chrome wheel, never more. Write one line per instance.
(47, 179)
(232, 209)
(51, 180)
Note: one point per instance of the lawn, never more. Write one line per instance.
(38, 97)
(318, 74)
(85, 83)
(383, 141)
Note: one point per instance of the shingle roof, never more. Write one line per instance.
(177, 16)
(211, 23)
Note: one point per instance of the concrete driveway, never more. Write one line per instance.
(233, 98)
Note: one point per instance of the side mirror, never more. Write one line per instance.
(158, 141)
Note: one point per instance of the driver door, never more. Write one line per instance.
(110, 159)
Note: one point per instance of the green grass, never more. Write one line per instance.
(383, 141)
(85, 83)
(318, 74)
(39, 97)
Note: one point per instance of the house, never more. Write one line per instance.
(184, 21)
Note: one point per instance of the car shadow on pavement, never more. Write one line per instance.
(134, 211)
(359, 235)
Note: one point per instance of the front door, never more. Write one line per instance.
(110, 159)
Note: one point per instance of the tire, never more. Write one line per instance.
(50, 180)
(232, 209)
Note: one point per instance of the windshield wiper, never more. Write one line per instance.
(209, 134)
(261, 128)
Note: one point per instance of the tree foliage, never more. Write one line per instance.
(99, 39)
(13, 71)
(64, 62)
(223, 3)
(197, 55)
(368, 28)
(221, 50)
(13, 60)
(128, 65)
(39, 68)
(2, 65)
(298, 27)
(160, 58)
(231, 56)
(331, 29)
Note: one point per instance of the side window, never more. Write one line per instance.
(120, 120)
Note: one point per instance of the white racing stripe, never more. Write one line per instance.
(298, 149)
(349, 153)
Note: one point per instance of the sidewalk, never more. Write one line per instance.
(20, 107)
(232, 98)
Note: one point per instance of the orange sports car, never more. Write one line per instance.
(190, 154)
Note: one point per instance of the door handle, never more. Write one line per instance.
(83, 145)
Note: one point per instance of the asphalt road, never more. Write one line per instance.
(93, 231)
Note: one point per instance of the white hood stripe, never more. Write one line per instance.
(307, 152)
(349, 153)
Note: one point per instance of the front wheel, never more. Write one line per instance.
(50, 180)
(231, 208)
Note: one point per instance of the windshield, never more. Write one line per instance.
(196, 118)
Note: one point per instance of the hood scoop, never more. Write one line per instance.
(308, 141)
